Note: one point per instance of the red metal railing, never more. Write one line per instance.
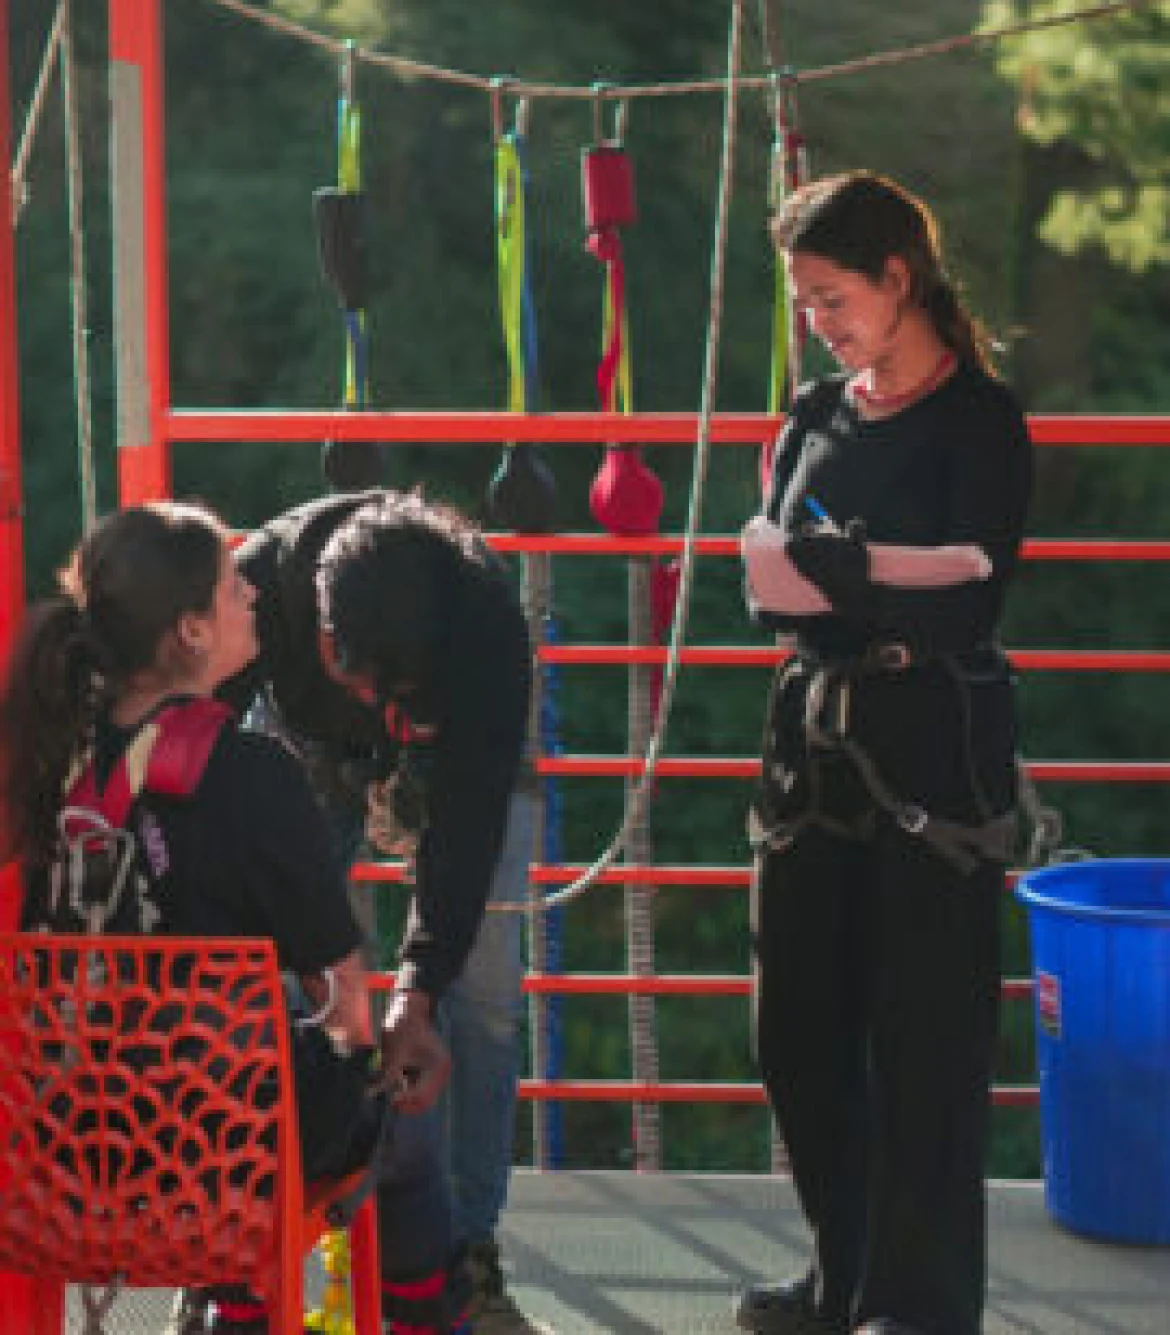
(709, 655)
(580, 428)
(144, 472)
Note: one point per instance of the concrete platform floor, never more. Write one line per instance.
(628, 1254)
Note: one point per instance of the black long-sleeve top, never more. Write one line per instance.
(476, 699)
(954, 467)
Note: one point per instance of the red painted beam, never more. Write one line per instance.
(579, 428)
(737, 767)
(710, 655)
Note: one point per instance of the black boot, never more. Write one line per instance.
(786, 1308)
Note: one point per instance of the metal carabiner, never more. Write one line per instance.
(912, 818)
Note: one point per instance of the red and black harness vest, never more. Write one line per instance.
(101, 878)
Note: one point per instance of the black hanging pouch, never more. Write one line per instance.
(341, 243)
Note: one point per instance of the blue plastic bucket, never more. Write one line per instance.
(1101, 957)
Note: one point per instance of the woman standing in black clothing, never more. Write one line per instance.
(883, 823)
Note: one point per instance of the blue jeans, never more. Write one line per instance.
(479, 1018)
(481, 1021)
(471, 1128)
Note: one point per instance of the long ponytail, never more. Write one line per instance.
(961, 331)
(47, 713)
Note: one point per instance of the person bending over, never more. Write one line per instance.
(395, 661)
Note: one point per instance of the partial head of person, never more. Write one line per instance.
(385, 584)
(150, 606)
(866, 265)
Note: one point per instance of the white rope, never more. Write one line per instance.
(639, 899)
(78, 296)
(19, 183)
(418, 69)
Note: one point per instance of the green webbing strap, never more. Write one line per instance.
(349, 131)
(510, 252)
(349, 181)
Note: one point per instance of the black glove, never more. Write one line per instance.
(833, 559)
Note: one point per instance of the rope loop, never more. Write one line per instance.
(499, 86)
(602, 92)
(345, 69)
(783, 82)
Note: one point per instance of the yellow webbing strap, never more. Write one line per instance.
(510, 252)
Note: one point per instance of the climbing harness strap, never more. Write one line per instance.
(97, 854)
(964, 846)
(826, 727)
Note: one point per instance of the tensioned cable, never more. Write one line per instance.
(32, 120)
(408, 68)
(81, 381)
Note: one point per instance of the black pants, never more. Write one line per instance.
(877, 987)
(877, 992)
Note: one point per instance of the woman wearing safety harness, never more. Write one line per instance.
(106, 715)
(883, 825)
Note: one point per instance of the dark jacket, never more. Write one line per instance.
(475, 698)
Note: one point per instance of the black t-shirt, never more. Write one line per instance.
(475, 699)
(245, 854)
(955, 467)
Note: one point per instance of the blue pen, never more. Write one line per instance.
(818, 510)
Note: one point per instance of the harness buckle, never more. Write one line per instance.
(912, 818)
(893, 656)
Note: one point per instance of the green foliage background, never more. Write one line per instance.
(1018, 147)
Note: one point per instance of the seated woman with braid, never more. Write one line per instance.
(120, 666)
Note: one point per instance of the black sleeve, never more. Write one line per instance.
(812, 398)
(268, 810)
(990, 488)
(475, 767)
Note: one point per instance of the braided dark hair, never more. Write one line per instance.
(125, 588)
(860, 221)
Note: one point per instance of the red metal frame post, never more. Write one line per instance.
(16, 1291)
(11, 519)
(138, 203)
(11, 500)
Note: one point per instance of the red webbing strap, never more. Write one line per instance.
(177, 742)
(186, 735)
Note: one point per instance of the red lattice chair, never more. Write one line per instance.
(148, 1129)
